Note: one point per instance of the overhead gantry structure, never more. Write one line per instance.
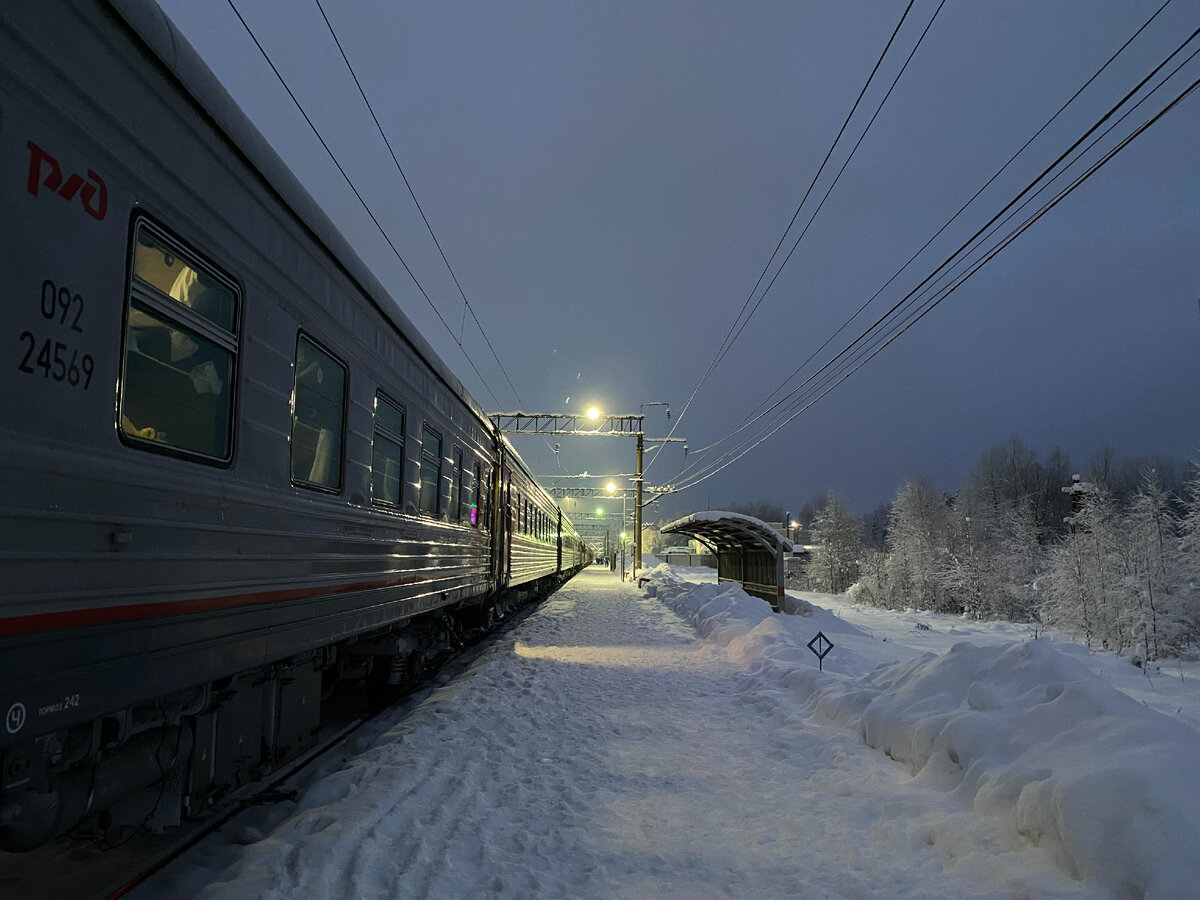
(589, 425)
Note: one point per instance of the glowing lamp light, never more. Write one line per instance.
(599, 511)
(593, 413)
(610, 487)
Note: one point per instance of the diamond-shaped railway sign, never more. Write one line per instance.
(820, 646)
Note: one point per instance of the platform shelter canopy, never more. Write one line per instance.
(748, 549)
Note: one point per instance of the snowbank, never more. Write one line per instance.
(1020, 731)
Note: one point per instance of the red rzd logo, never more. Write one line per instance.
(93, 196)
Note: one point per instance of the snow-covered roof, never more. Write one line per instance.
(728, 530)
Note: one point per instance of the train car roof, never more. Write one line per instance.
(172, 49)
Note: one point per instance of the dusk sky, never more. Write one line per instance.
(609, 179)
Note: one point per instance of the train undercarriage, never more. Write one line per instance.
(160, 762)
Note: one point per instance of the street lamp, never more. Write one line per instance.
(593, 413)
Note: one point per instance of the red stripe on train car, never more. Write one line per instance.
(104, 615)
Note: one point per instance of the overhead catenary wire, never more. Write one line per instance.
(965, 247)
(879, 341)
(718, 355)
(812, 218)
(882, 340)
(957, 215)
(837, 178)
(429, 227)
(466, 303)
(366, 207)
(924, 311)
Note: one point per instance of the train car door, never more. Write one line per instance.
(504, 539)
(509, 524)
(559, 541)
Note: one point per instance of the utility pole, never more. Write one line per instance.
(637, 513)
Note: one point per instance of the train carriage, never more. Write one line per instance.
(235, 472)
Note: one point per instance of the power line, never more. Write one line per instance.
(880, 342)
(965, 247)
(837, 178)
(929, 306)
(961, 210)
(884, 338)
(730, 337)
(466, 303)
(358, 195)
(727, 339)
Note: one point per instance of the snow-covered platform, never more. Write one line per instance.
(618, 745)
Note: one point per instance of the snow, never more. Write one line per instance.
(680, 741)
(717, 515)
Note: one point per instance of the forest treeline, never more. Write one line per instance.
(1112, 555)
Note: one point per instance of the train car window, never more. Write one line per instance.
(477, 500)
(160, 264)
(181, 342)
(431, 471)
(318, 417)
(458, 497)
(483, 497)
(387, 454)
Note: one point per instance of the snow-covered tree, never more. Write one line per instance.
(1018, 560)
(1084, 575)
(1189, 530)
(993, 561)
(966, 571)
(1123, 572)
(1151, 534)
(1114, 578)
(1187, 560)
(836, 541)
(917, 535)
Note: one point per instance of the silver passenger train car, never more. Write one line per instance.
(234, 473)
